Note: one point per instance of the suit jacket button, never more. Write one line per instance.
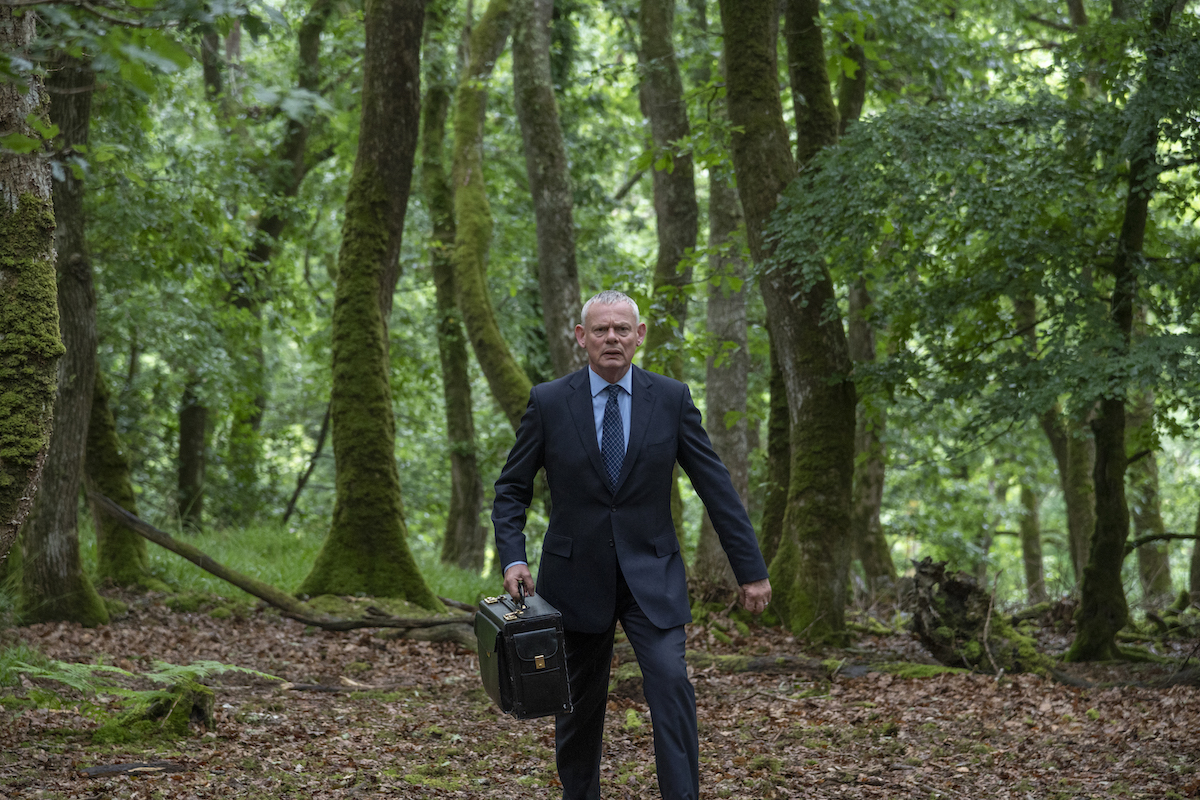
(613, 507)
(610, 542)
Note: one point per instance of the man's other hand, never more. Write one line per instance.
(754, 596)
(519, 574)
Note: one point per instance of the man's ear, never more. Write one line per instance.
(579, 336)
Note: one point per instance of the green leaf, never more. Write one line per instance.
(19, 143)
(40, 125)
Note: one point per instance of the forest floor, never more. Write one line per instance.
(426, 728)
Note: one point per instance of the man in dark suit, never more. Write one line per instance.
(609, 437)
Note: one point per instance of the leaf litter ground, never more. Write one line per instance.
(428, 730)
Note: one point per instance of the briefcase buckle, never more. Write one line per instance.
(510, 616)
(539, 662)
(491, 601)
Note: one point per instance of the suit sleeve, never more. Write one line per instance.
(712, 483)
(514, 487)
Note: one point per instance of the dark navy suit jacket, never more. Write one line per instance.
(592, 525)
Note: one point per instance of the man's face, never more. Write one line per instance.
(610, 338)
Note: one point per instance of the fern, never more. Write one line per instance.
(97, 678)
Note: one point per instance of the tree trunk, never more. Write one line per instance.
(31, 345)
(54, 586)
(1154, 566)
(464, 542)
(660, 93)
(366, 550)
(779, 460)
(1031, 547)
(812, 97)
(809, 571)
(193, 457)
(549, 181)
(120, 554)
(1194, 571)
(727, 371)
(509, 384)
(285, 172)
(1075, 454)
(1103, 609)
(870, 455)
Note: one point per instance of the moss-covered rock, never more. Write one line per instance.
(164, 715)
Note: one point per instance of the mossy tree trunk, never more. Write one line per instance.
(809, 571)
(509, 384)
(549, 180)
(193, 456)
(54, 586)
(1103, 609)
(289, 163)
(366, 550)
(31, 345)
(121, 556)
(870, 453)
(1031, 546)
(1074, 452)
(464, 540)
(812, 97)
(1153, 558)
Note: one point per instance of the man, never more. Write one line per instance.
(609, 436)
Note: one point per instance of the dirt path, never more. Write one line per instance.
(432, 732)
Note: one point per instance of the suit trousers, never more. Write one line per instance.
(669, 692)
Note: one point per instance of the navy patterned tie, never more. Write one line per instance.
(612, 437)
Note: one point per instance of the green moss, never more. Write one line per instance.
(166, 715)
(366, 551)
(29, 349)
(633, 721)
(904, 669)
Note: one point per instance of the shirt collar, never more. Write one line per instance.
(598, 384)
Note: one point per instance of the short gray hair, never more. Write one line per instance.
(610, 297)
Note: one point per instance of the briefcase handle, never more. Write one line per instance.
(521, 592)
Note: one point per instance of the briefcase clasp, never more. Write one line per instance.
(510, 616)
(539, 662)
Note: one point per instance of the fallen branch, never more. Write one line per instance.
(288, 606)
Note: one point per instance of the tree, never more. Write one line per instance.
(54, 586)
(366, 550)
(549, 180)
(1153, 560)
(809, 570)
(1031, 546)
(31, 346)
(464, 540)
(509, 384)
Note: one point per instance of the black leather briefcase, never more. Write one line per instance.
(522, 657)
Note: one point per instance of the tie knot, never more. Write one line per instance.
(613, 391)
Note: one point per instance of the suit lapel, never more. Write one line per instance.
(580, 405)
(639, 421)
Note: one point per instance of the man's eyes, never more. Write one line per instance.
(622, 330)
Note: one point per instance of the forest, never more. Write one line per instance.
(277, 278)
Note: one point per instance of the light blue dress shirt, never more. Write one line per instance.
(600, 400)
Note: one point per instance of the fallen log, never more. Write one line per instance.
(133, 768)
(288, 605)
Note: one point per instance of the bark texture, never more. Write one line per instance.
(31, 345)
(121, 557)
(816, 115)
(809, 571)
(1153, 559)
(1074, 452)
(1031, 547)
(779, 461)
(870, 455)
(1194, 570)
(549, 180)
(509, 384)
(366, 551)
(464, 541)
(54, 586)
